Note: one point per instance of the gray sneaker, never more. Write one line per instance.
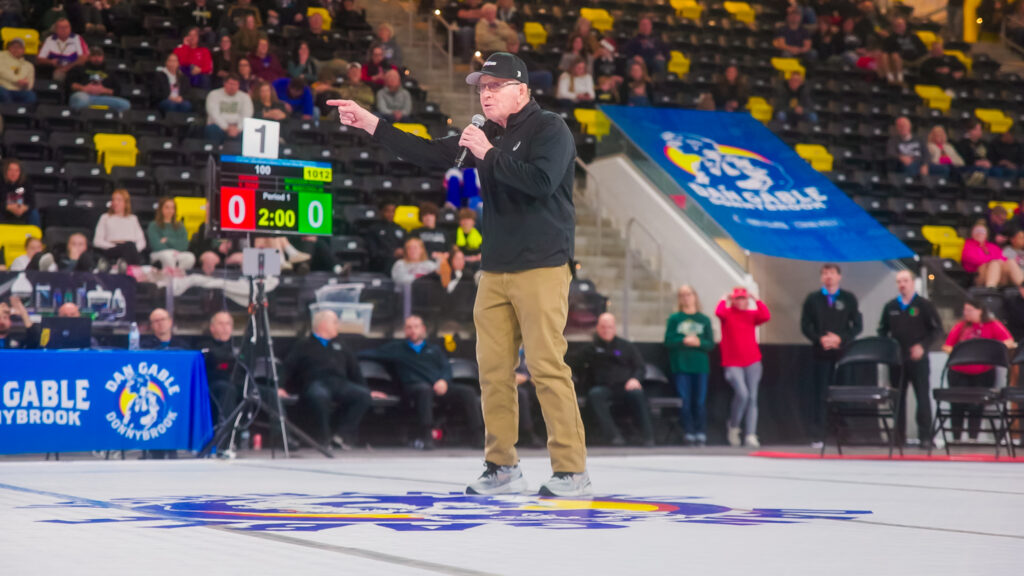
(567, 484)
(498, 480)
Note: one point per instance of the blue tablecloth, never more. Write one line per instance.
(64, 401)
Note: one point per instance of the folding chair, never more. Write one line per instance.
(980, 351)
(1013, 404)
(662, 398)
(867, 402)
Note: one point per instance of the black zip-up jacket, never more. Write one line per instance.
(611, 364)
(219, 357)
(310, 360)
(526, 181)
(842, 319)
(918, 324)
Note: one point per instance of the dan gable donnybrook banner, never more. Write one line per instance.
(755, 186)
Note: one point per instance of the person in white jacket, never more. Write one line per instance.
(575, 85)
(119, 236)
(941, 152)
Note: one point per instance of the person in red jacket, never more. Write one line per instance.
(740, 314)
(195, 61)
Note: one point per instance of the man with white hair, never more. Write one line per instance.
(492, 35)
(325, 374)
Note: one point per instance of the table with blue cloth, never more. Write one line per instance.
(76, 401)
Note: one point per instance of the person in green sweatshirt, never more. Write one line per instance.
(167, 238)
(689, 340)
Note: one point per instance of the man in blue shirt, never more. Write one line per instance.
(295, 93)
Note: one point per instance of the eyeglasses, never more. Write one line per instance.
(493, 87)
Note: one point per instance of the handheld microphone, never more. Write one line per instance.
(460, 158)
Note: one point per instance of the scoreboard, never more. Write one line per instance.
(274, 196)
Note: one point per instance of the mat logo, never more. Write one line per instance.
(140, 397)
(419, 511)
(736, 177)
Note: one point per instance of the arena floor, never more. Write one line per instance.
(397, 514)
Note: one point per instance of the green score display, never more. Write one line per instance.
(262, 195)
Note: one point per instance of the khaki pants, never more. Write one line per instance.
(528, 308)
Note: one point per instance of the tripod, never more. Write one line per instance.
(257, 347)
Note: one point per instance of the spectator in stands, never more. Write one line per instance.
(169, 86)
(12, 13)
(907, 149)
(285, 13)
(33, 246)
(223, 60)
(291, 257)
(214, 252)
(426, 377)
(912, 321)
(19, 201)
(509, 14)
(976, 322)
(740, 314)
(199, 14)
(162, 338)
(385, 239)
(998, 225)
(239, 12)
(974, 150)
(62, 50)
(831, 320)
(792, 39)
(220, 354)
(986, 261)
(436, 241)
(577, 50)
(854, 47)
(414, 264)
(347, 16)
(325, 374)
(302, 64)
(195, 60)
(393, 101)
(899, 47)
(941, 69)
(467, 18)
(648, 46)
(17, 75)
(730, 93)
(942, 155)
(7, 340)
(92, 85)
(75, 257)
(248, 36)
(119, 237)
(246, 79)
(265, 65)
(266, 105)
(225, 109)
(793, 101)
(592, 37)
(458, 282)
(637, 89)
(467, 237)
(321, 44)
(827, 41)
(298, 97)
(689, 340)
(387, 41)
(612, 369)
(376, 67)
(355, 89)
(167, 238)
(606, 61)
(491, 34)
(1014, 249)
(576, 85)
(540, 79)
(607, 91)
(1006, 155)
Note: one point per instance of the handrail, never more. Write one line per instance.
(595, 199)
(629, 272)
(450, 27)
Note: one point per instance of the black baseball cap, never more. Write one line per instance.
(501, 65)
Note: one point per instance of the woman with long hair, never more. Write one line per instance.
(168, 239)
(942, 153)
(740, 314)
(265, 104)
(19, 203)
(302, 65)
(689, 339)
(637, 89)
(119, 237)
(169, 87)
(576, 50)
(575, 85)
(413, 265)
(246, 78)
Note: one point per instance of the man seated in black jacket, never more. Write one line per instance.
(941, 69)
(612, 369)
(426, 377)
(386, 240)
(325, 374)
(220, 356)
(162, 338)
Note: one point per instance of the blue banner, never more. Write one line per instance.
(64, 401)
(768, 199)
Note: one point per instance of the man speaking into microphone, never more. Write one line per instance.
(525, 159)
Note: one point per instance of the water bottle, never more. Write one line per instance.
(133, 336)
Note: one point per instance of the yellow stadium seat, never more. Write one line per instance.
(945, 240)
(996, 121)
(191, 211)
(12, 239)
(115, 150)
(927, 37)
(816, 155)
(760, 109)
(408, 217)
(788, 65)
(30, 36)
(679, 64)
(417, 129)
(323, 12)
(934, 96)
(963, 58)
(593, 122)
(535, 33)
(688, 9)
(1010, 207)
(741, 11)
(599, 18)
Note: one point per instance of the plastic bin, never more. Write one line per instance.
(348, 293)
(353, 317)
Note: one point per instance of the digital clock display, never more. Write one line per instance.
(275, 196)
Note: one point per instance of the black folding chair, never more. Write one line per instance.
(979, 351)
(665, 404)
(1013, 404)
(868, 402)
